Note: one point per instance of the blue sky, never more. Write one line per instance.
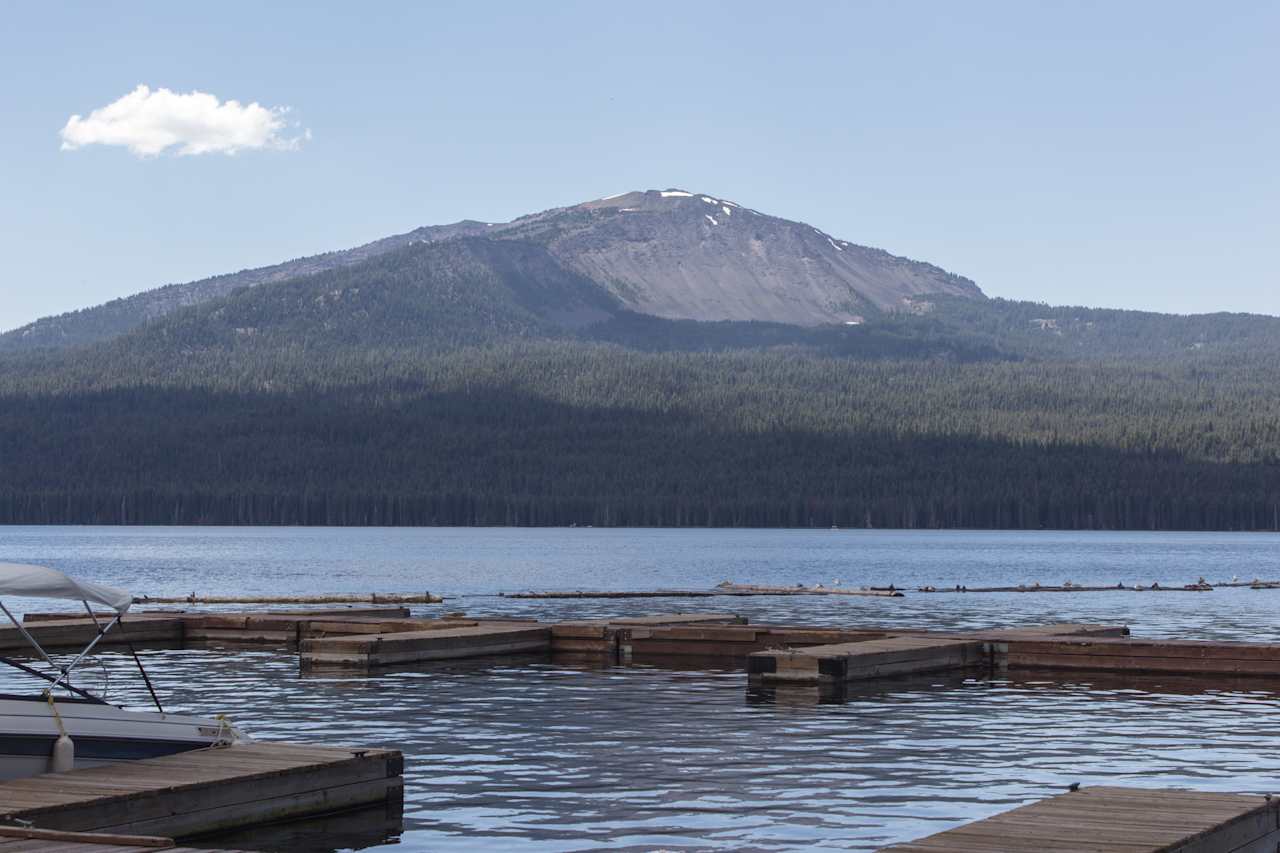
(1115, 154)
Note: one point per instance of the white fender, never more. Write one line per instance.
(64, 755)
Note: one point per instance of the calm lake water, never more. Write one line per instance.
(532, 754)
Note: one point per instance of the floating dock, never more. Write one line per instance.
(442, 642)
(373, 637)
(897, 653)
(865, 660)
(206, 791)
(1119, 820)
(209, 791)
(1125, 654)
(176, 629)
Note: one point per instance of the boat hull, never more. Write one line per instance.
(102, 734)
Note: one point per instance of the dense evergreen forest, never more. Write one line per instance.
(470, 382)
(555, 432)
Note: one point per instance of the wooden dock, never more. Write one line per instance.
(865, 660)
(159, 628)
(206, 791)
(176, 629)
(733, 642)
(891, 653)
(1119, 820)
(209, 791)
(1126, 654)
(443, 642)
(372, 637)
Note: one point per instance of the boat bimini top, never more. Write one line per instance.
(27, 581)
(44, 582)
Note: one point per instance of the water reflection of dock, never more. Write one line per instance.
(21, 840)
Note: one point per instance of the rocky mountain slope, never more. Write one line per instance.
(683, 255)
(667, 253)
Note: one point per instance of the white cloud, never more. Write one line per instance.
(149, 122)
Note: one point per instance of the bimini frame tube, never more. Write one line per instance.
(102, 632)
(83, 694)
(145, 678)
(30, 639)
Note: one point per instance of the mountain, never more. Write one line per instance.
(106, 321)
(665, 253)
(656, 358)
(682, 255)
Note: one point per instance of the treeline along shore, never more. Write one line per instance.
(561, 433)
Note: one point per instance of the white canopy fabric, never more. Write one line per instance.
(43, 582)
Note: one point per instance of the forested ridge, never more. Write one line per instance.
(562, 432)
(482, 382)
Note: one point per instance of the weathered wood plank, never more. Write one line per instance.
(864, 660)
(205, 790)
(1118, 820)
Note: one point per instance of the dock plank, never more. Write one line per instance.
(1108, 819)
(205, 790)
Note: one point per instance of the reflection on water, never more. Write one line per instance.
(557, 755)
(359, 829)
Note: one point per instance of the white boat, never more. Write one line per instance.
(51, 731)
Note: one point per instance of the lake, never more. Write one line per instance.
(535, 755)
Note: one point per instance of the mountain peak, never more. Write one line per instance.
(671, 253)
(680, 254)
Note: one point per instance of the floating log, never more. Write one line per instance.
(659, 593)
(728, 588)
(385, 611)
(724, 589)
(680, 619)
(1038, 632)
(339, 598)
(1118, 820)
(1156, 587)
